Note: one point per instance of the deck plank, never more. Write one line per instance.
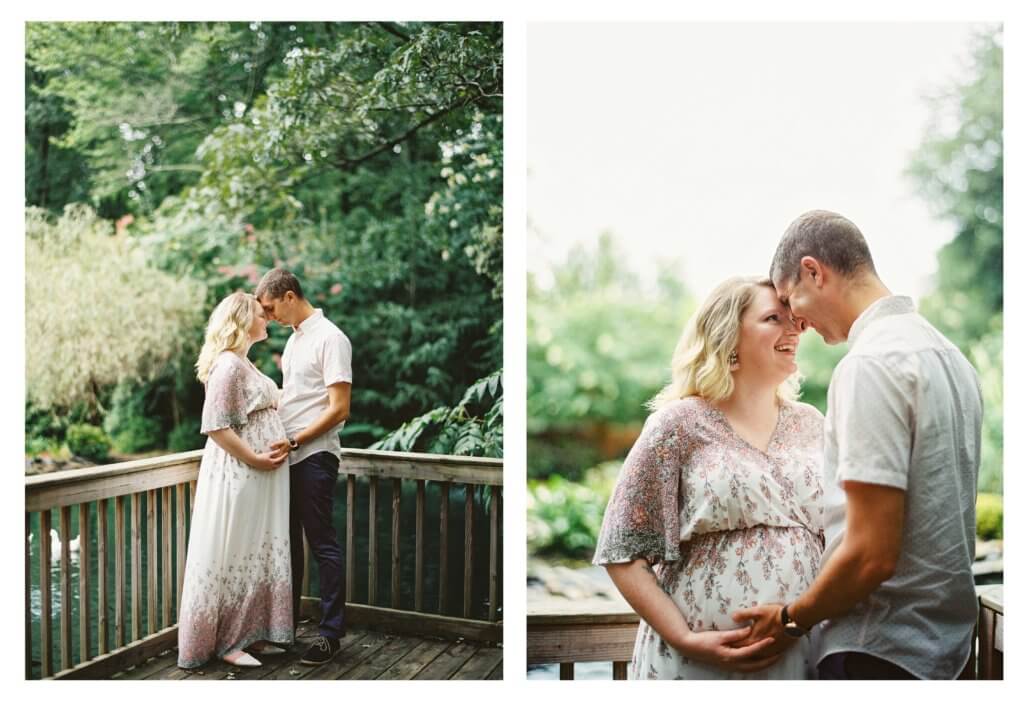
(291, 668)
(418, 658)
(365, 654)
(393, 650)
(480, 664)
(351, 657)
(448, 662)
(150, 667)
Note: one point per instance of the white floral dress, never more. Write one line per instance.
(725, 525)
(237, 585)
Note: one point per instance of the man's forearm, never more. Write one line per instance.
(328, 418)
(846, 579)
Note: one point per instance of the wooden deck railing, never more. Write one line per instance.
(163, 489)
(567, 638)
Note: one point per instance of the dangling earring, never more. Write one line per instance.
(734, 359)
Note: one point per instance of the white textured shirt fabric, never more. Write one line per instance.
(904, 410)
(316, 356)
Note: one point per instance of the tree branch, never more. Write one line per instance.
(390, 28)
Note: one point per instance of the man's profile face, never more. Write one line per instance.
(279, 309)
(807, 303)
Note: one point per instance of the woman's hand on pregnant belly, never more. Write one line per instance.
(728, 649)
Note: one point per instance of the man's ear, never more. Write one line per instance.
(814, 269)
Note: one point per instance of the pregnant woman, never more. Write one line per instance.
(719, 503)
(237, 589)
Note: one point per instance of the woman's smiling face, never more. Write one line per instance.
(768, 338)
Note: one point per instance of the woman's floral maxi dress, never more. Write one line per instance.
(725, 525)
(237, 587)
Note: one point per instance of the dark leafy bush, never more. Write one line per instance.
(89, 442)
(185, 436)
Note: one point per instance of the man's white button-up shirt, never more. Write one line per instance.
(316, 356)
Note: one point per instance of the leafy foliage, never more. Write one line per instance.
(85, 287)
(959, 170)
(989, 516)
(565, 517)
(338, 150)
(473, 427)
(89, 442)
(599, 346)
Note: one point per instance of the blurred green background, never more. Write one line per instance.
(170, 163)
(600, 343)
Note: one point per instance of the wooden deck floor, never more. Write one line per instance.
(364, 655)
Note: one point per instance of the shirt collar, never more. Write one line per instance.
(310, 321)
(886, 306)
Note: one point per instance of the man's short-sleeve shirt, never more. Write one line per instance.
(904, 410)
(316, 356)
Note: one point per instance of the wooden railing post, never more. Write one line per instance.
(420, 508)
(83, 582)
(350, 537)
(28, 594)
(492, 594)
(371, 594)
(119, 573)
(467, 569)
(65, 588)
(101, 579)
(167, 594)
(396, 571)
(45, 596)
(442, 597)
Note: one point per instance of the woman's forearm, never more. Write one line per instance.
(638, 584)
(230, 441)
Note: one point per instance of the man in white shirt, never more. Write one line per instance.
(314, 405)
(895, 594)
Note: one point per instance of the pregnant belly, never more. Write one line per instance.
(263, 429)
(724, 571)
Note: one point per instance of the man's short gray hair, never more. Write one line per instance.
(276, 282)
(830, 238)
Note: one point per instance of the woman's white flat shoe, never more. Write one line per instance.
(267, 649)
(242, 659)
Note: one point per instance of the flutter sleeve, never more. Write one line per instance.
(224, 406)
(642, 517)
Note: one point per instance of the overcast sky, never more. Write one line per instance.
(701, 142)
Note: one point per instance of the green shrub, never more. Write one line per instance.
(138, 434)
(129, 422)
(89, 442)
(989, 516)
(564, 517)
(185, 436)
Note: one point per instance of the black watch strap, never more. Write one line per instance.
(791, 627)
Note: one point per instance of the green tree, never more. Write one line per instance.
(97, 312)
(366, 157)
(959, 170)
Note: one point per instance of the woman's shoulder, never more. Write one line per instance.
(805, 412)
(227, 363)
(685, 411)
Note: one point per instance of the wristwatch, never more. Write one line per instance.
(293, 444)
(789, 626)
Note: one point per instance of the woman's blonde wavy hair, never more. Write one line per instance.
(227, 330)
(700, 364)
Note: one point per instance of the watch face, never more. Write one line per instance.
(793, 630)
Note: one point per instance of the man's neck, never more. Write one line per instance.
(860, 295)
(304, 313)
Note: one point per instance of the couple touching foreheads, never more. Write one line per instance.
(757, 538)
(267, 476)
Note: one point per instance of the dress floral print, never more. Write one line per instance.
(237, 585)
(725, 525)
